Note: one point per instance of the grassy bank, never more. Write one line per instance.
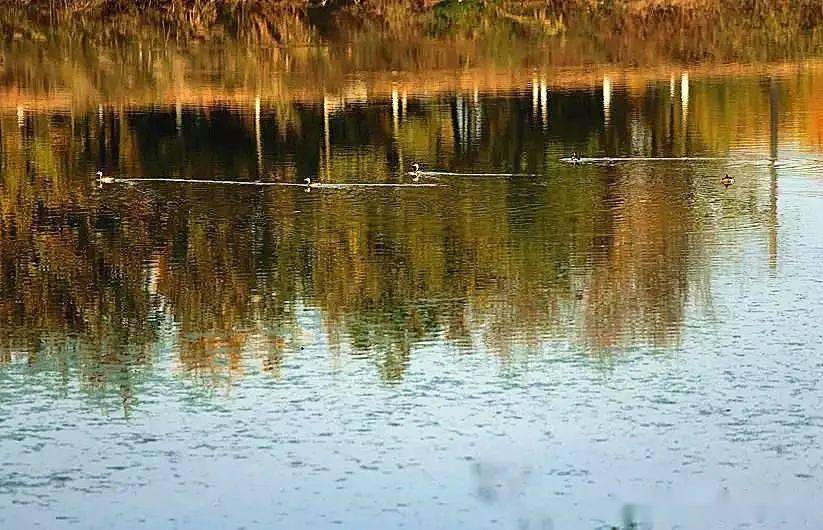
(305, 21)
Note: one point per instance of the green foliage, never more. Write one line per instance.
(457, 14)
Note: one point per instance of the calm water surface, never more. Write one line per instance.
(610, 344)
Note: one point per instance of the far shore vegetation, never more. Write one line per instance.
(684, 23)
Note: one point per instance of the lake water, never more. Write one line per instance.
(619, 344)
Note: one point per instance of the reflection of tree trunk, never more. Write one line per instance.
(607, 100)
(456, 126)
(114, 138)
(671, 131)
(258, 140)
(773, 119)
(772, 222)
(101, 139)
(326, 136)
(394, 149)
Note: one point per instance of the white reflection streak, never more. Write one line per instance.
(478, 117)
(21, 116)
(460, 132)
(395, 114)
(544, 102)
(535, 96)
(178, 117)
(326, 134)
(684, 94)
(607, 99)
(257, 137)
(152, 276)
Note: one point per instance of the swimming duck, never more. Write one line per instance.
(575, 159)
(726, 180)
(415, 172)
(307, 180)
(103, 180)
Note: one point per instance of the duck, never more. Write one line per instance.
(415, 172)
(574, 158)
(307, 180)
(103, 180)
(726, 180)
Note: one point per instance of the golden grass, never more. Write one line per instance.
(290, 21)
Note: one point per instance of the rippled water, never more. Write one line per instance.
(619, 343)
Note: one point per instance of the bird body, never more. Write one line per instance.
(415, 172)
(103, 180)
(726, 180)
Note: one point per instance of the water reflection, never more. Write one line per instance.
(602, 257)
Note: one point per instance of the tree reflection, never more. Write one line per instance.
(604, 257)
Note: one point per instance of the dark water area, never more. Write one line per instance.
(616, 343)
